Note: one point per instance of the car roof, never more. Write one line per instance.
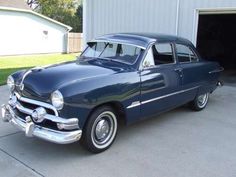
(141, 39)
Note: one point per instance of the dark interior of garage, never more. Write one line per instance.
(217, 42)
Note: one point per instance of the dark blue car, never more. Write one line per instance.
(118, 78)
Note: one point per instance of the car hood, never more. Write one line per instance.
(41, 82)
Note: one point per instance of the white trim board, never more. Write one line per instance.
(84, 37)
(207, 11)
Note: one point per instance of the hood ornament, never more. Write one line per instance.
(38, 68)
(27, 73)
(22, 86)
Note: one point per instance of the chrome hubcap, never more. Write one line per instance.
(104, 129)
(202, 100)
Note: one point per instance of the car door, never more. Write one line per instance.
(192, 70)
(159, 80)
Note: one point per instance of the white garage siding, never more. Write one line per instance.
(158, 16)
(26, 33)
(108, 16)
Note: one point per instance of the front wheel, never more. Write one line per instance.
(200, 102)
(100, 130)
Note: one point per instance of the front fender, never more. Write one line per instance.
(83, 96)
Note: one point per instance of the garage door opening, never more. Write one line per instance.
(216, 41)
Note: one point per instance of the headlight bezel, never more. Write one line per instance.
(57, 100)
(10, 83)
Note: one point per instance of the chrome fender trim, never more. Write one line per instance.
(216, 70)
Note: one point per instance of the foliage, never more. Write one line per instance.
(33, 3)
(68, 12)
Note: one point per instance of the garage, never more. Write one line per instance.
(216, 41)
(209, 24)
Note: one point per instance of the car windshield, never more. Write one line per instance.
(113, 51)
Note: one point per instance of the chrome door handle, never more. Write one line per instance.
(178, 70)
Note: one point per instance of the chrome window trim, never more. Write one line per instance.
(147, 58)
(135, 104)
(144, 56)
(158, 66)
(38, 103)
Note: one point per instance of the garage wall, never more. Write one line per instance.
(158, 16)
(110, 16)
(24, 33)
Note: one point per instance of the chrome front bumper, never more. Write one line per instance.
(31, 129)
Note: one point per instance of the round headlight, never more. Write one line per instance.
(57, 100)
(10, 82)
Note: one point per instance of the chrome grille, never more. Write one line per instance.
(28, 105)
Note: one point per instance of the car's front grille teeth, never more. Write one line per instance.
(22, 115)
(33, 106)
(28, 105)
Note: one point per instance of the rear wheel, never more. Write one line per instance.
(100, 130)
(200, 102)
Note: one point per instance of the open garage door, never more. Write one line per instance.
(216, 41)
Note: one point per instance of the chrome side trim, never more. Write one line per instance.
(134, 104)
(216, 71)
(168, 95)
(39, 103)
(161, 97)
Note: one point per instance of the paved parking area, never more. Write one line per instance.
(180, 143)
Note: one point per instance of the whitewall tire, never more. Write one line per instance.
(200, 102)
(100, 130)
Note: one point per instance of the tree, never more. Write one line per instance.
(32, 3)
(79, 18)
(64, 11)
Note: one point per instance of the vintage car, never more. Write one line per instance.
(119, 78)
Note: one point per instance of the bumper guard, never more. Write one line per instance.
(31, 129)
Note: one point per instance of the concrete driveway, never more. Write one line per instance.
(180, 143)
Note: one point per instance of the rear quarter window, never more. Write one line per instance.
(185, 54)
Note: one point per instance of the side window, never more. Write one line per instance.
(185, 54)
(149, 60)
(163, 54)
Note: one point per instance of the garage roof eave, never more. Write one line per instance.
(37, 14)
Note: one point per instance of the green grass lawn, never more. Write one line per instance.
(11, 64)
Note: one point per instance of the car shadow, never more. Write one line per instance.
(43, 149)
